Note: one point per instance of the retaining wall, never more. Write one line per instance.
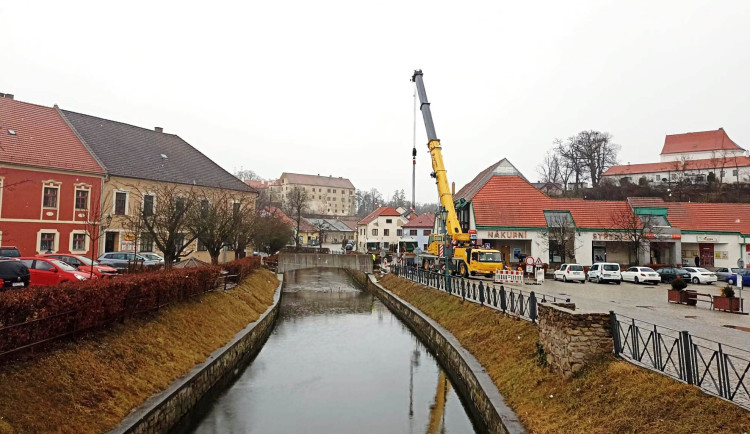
(572, 339)
(297, 261)
(188, 397)
(485, 404)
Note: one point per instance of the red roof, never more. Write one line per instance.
(425, 220)
(259, 185)
(42, 138)
(511, 201)
(305, 226)
(698, 142)
(382, 211)
(675, 166)
(723, 217)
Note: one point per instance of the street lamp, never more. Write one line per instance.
(447, 250)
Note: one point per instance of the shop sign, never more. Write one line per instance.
(609, 236)
(127, 246)
(721, 254)
(507, 235)
(707, 239)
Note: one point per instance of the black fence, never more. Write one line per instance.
(718, 369)
(509, 300)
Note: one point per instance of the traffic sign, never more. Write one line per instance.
(539, 262)
(529, 260)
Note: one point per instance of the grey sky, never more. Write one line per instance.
(323, 87)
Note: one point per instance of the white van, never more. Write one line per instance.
(603, 272)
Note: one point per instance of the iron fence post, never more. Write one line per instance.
(687, 356)
(615, 326)
(503, 301)
(481, 294)
(532, 307)
(634, 341)
(657, 349)
(721, 362)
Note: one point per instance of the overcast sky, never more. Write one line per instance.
(323, 87)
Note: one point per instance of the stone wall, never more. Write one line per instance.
(478, 392)
(296, 261)
(188, 397)
(572, 339)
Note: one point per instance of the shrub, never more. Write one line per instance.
(727, 291)
(679, 284)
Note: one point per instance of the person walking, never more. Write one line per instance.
(697, 261)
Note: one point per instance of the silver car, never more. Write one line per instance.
(723, 272)
(121, 260)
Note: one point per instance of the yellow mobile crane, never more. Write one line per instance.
(467, 258)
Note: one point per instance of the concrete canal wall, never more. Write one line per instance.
(484, 401)
(186, 399)
(297, 261)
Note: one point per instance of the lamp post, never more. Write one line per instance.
(448, 250)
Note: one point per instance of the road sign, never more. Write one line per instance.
(529, 260)
(538, 262)
(529, 268)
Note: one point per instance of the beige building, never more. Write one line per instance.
(327, 195)
(142, 166)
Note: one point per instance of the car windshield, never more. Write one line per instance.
(610, 267)
(647, 270)
(702, 270)
(489, 257)
(86, 260)
(62, 265)
(576, 268)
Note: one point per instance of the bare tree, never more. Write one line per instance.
(549, 169)
(596, 151)
(560, 235)
(270, 232)
(296, 205)
(247, 175)
(634, 231)
(95, 222)
(216, 219)
(163, 212)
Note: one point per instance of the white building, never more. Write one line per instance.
(384, 226)
(420, 228)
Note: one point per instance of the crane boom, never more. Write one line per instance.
(452, 224)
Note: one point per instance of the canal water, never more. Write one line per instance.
(338, 361)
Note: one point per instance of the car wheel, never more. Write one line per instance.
(635, 280)
(565, 279)
(618, 281)
(696, 280)
(583, 282)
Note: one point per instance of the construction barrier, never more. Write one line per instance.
(509, 276)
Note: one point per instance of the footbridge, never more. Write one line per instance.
(297, 261)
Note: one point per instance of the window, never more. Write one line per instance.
(386, 245)
(426, 232)
(204, 208)
(148, 205)
(320, 197)
(334, 190)
(50, 197)
(374, 232)
(329, 190)
(201, 246)
(121, 199)
(147, 243)
(79, 242)
(386, 232)
(179, 242)
(413, 232)
(734, 172)
(236, 207)
(334, 199)
(47, 242)
(180, 203)
(399, 232)
(389, 220)
(42, 265)
(82, 199)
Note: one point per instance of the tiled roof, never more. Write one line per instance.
(323, 181)
(698, 142)
(259, 185)
(305, 226)
(425, 220)
(382, 211)
(675, 166)
(331, 225)
(723, 217)
(42, 138)
(350, 222)
(502, 167)
(141, 153)
(656, 202)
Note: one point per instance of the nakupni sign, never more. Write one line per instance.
(506, 235)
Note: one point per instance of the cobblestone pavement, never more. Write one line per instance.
(649, 303)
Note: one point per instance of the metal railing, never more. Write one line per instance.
(718, 369)
(511, 301)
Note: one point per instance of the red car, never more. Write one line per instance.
(83, 264)
(47, 271)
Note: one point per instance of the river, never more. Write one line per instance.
(338, 361)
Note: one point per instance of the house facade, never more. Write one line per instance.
(690, 158)
(419, 228)
(49, 182)
(327, 195)
(383, 226)
(142, 166)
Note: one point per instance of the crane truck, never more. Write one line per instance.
(467, 258)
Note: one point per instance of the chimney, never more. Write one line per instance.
(9, 95)
(159, 129)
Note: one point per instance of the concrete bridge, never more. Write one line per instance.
(297, 261)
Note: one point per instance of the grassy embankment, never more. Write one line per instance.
(91, 384)
(612, 396)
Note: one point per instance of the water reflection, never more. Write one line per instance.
(338, 361)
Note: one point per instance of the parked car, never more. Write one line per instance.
(48, 271)
(9, 252)
(570, 272)
(732, 280)
(83, 264)
(15, 274)
(603, 272)
(121, 260)
(723, 272)
(152, 257)
(668, 274)
(700, 275)
(641, 274)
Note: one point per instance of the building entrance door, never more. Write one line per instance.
(110, 239)
(505, 253)
(707, 254)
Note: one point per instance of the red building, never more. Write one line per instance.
(50, 184)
